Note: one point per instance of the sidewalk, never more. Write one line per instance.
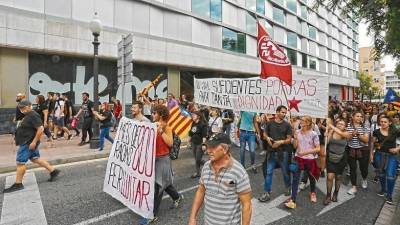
(65, 151)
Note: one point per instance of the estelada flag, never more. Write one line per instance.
(180, 121)
(274, 62)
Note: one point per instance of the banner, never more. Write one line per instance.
(130, 173)
(308, 94)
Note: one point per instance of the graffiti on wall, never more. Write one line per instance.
(72, 75)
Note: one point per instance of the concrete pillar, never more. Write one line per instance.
(174, 81)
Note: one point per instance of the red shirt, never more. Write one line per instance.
(162, 149)
(117, 110)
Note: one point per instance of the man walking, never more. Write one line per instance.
(278, 134)
(223, 180)
(27, 138)
(249, 130)
(87, 109)
(59, 118)
(137, 112)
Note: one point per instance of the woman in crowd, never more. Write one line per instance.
(390, 111)
(384, 140)
(336, 158)
(345, 116)
(198, 134)
(163, 169)
(358, 151)
(104, 117)
(306, 143)
(43, 111)
(214, 123)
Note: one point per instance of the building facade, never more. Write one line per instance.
(46, 44)
(374, 68)
(392, 81)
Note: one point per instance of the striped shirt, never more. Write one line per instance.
(355, 141)
(221, 201)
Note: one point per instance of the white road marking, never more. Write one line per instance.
(266, 213)
(342, 196)
(23, 207)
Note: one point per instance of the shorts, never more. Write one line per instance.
(59, 122)
(24, 154)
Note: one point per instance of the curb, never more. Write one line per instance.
(388, 212)
(59, 161)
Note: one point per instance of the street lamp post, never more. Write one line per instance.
(95, 27)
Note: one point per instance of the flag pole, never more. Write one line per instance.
(287, 101)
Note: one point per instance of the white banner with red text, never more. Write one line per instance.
(308, 94)
(130, 173)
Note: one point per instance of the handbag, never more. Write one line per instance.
(74, 123)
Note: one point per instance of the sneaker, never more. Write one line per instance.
(100, 149)
(389, 201)
(69, 136)
(196, 175)
(145, 221)
(81, 143)
(364, 184)
(302, 186)
(381, 193)
(263, 152)
(176, 203)
(352, 191)
(288, 191)
(14, 187)
(53, 175)
(290, 204)
(313, 197)
(265, 197)
(376, 179)
(254, 169)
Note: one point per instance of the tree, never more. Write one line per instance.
(383, 18)
(365, 85)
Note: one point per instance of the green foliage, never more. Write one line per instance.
(383, 18)
(365, 85)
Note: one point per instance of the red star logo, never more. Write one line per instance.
(294, 104)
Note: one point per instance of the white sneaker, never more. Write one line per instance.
(364, 184)
(303, 186)
(352, 191)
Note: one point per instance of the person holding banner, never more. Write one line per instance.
(163, 169)
(137, 112)
(224, 187)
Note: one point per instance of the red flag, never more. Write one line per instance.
(274, 62)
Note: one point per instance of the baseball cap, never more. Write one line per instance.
(24, 103)
(217, 139)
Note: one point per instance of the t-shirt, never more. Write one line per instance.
(18, 114)
(221, 200)
(51, 106)
(279, 131)
(246, 121)
(215, 124)
(40, 108)
(198, 132)
(67, 105)
(355, 142)
(107, 121)
(27, 129)
(386, 142)
(87, 109)
(306, 142)
(58, 108)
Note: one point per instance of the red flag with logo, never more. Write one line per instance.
(274, 62)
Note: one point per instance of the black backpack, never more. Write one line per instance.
(174, 151)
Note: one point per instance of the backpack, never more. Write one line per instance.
(176, 145)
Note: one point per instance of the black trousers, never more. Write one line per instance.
(87, 128)
(158, 195)
(363, 163)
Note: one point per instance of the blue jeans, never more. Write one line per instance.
(272, 160)
(248, 137)
(105, 134)
(387, 173)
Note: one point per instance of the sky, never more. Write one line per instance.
(366, 41)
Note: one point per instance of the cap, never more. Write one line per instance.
(217, 139)
(24, 103)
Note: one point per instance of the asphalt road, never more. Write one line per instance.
(77, 198)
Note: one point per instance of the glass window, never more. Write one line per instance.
(270, 29)
(292, 39)
(312, 32)
(279, 1)
(292, 55)
(313, 63)
(304, 60)
(278, 15)
(233, 41)
(251, 4)
(291, 5)
(304, 12)
(261, 6)
(216, 10)
(251, 24)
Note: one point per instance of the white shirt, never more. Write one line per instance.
(57, 111)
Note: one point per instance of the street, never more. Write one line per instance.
(77, 198)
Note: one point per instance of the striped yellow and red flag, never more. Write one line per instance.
(180, 121)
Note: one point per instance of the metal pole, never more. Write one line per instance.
(123, 77)
(94, 143)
